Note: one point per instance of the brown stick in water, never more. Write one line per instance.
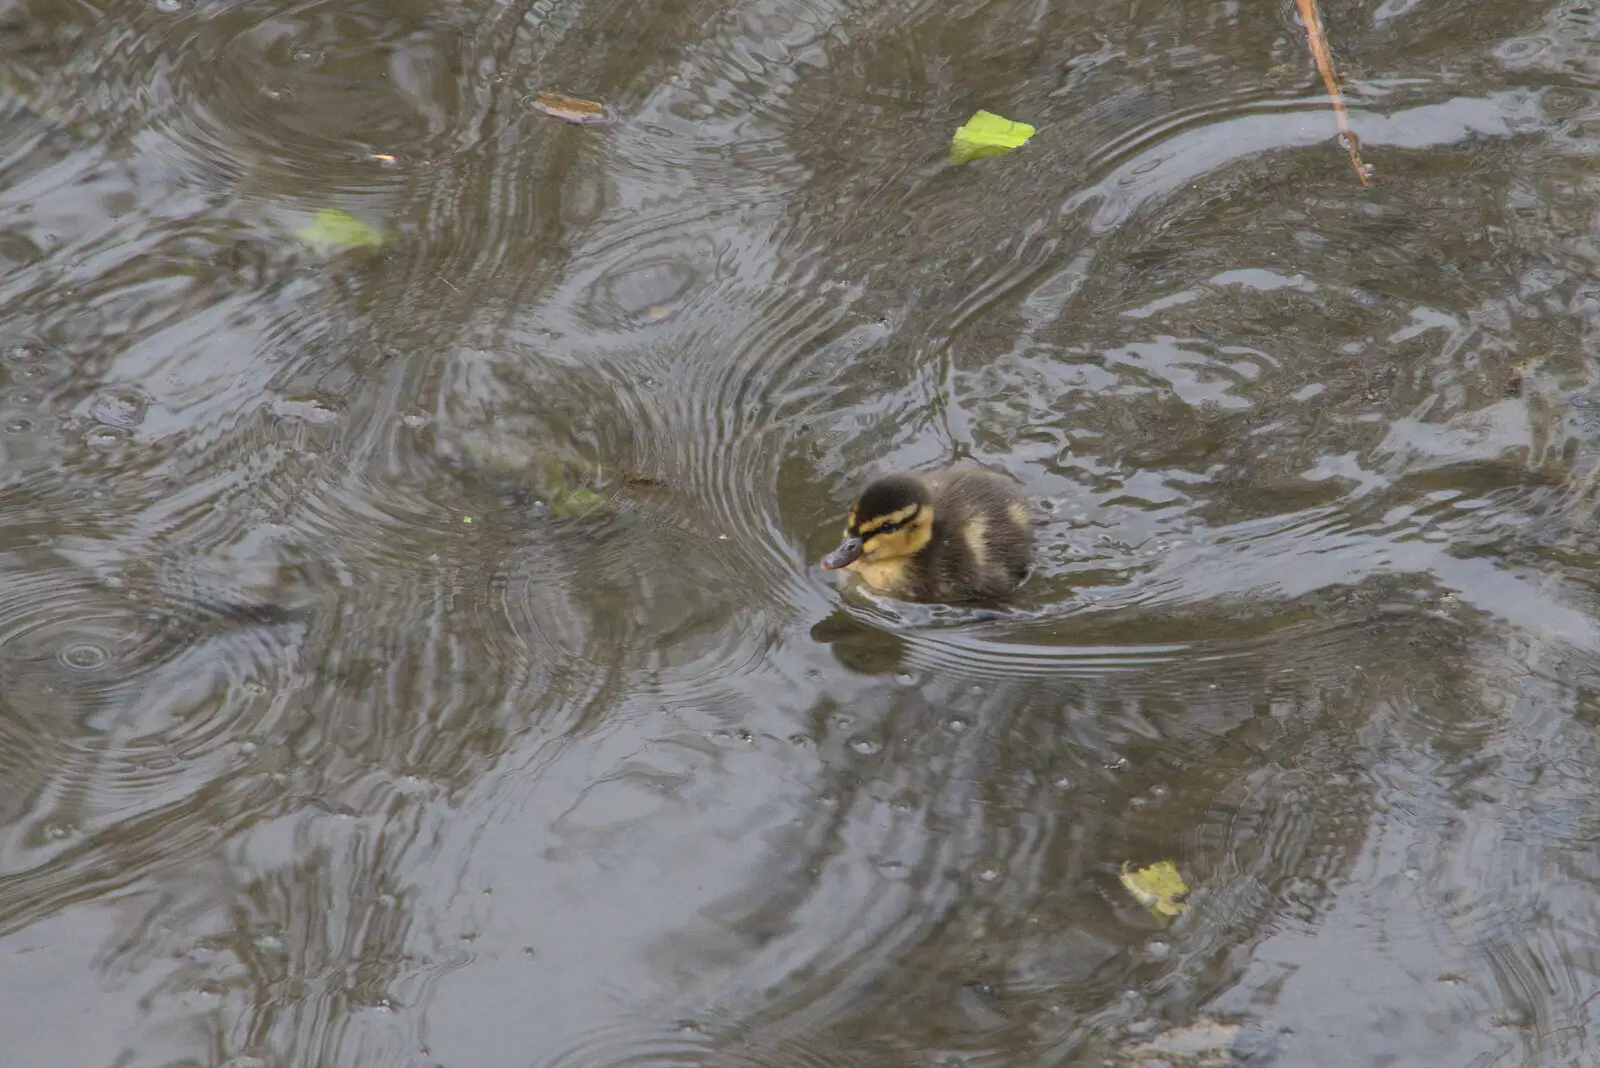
(1319, 51)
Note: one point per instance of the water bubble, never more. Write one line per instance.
(276, 94)
(84, 656)
(1564, 102)
(865, 746)
(1521, 48)
(414, 419)
(306, 55)
(1062, 782)
(19, 426)
(56, 832)
(105, 437)
(801, 741)
(122, 408)
(905, 678)
(956, 725)
(168, 7)
(988, 875)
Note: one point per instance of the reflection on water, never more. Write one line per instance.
(419, 658)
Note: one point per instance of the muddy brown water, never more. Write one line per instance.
(417, 657)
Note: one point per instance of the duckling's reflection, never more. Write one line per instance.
(864, 649)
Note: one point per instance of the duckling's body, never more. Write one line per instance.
(958, 534)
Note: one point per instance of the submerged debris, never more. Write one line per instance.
(332, 230)
(565, 483)
(571, 109)
(1204, 1043)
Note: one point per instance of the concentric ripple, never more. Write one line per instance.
(116, 697)
(690, 1042)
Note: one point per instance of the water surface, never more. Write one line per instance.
(417, 657)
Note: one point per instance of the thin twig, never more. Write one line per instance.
(1319, 51)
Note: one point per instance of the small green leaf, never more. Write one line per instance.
(332, 230)
(987, 134)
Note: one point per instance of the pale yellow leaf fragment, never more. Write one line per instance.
(1158, 888)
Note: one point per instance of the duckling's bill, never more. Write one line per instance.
(848, 552)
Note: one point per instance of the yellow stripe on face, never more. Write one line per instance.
(893, 517)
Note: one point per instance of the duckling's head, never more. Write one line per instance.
(892, 518)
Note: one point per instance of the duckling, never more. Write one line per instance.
(957, 534)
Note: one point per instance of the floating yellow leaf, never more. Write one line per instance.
(1158, 888)
(332, 230)
(571, 109)
(987, 134)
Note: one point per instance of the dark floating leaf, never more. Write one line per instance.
(571, 109)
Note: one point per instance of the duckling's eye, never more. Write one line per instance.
(890, 528)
